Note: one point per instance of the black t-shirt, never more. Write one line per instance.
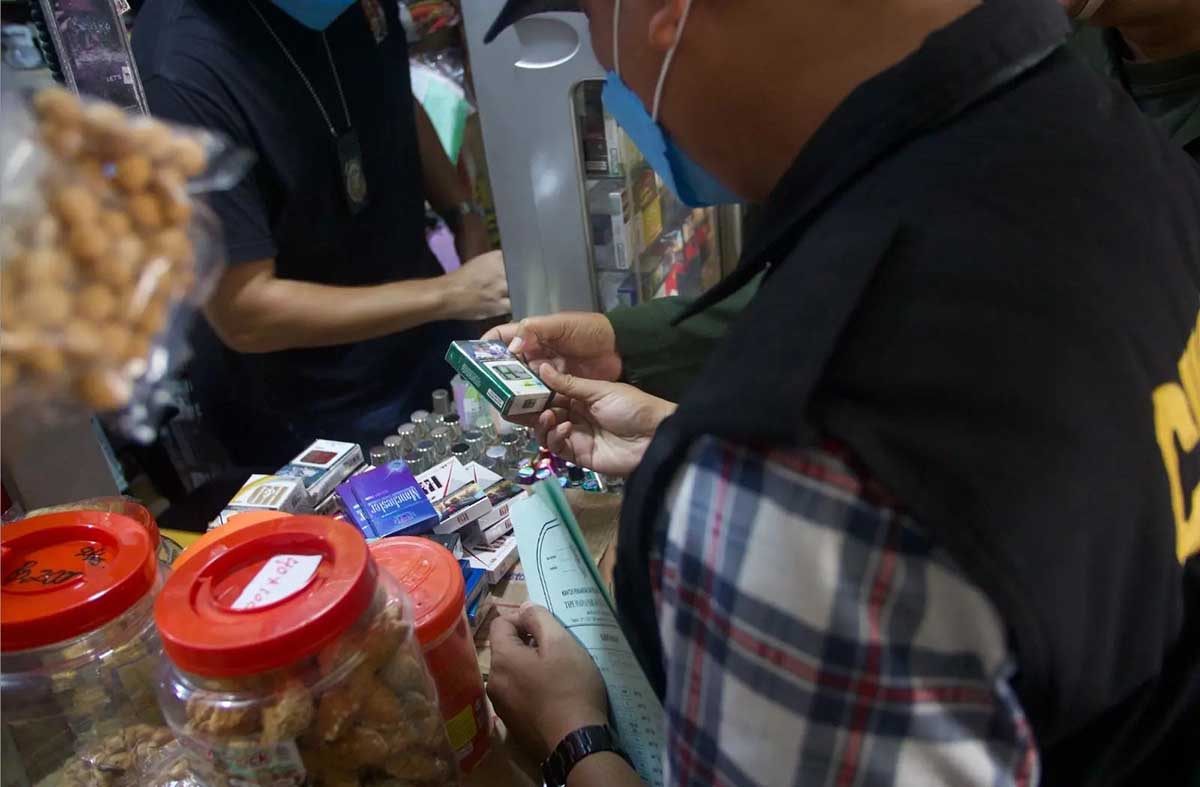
(213, 63)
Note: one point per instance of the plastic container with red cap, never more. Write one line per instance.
(78, 650)
(433, 580)
(168, 550)
(292, 657)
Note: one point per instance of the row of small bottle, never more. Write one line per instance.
(431, 437)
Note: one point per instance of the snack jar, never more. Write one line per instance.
(433, 580)
(79, 652)
(291, 657)
(167, 549)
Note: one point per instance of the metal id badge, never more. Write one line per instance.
(354, 179)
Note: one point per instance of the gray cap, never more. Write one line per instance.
(516, 10)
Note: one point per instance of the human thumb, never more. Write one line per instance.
(570, 385)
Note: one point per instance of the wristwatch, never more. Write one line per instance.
(579, 744)
(454, 216)
(468, 208)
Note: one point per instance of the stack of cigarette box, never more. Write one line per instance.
(473, 502)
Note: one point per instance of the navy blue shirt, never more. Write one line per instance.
(213, 63)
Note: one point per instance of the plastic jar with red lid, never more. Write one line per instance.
(79, 651)
(433, 580)
(167, 549)
(291, 657)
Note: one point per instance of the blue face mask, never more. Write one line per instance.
(693, 184)
(317, 14)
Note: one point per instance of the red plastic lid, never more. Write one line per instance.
(432, 578)
(65, 574)
(202, 631)
(232, 525)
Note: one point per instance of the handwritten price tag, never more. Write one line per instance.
(282, 576)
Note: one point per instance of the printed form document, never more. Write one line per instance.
(561, 576)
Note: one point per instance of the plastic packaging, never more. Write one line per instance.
(79, 652)
(433, 580)
(104, 255)
(292, 657)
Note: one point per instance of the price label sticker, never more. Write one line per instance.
(280, 577)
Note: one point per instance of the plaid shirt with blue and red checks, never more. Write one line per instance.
(814, 635)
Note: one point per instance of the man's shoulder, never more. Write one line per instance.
(181, 41)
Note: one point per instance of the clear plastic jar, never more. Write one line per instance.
(292, 657)
(433, 579)
(79, 652)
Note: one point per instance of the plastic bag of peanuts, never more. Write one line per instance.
(105, 255)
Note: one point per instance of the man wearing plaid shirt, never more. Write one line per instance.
(928, 514)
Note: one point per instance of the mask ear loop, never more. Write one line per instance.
(1089, 8)
(662, 75)
(617, 39)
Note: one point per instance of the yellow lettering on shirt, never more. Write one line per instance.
(1177, 419)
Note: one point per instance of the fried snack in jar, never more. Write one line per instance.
(433, 579)
(78, 649)
(292, 657)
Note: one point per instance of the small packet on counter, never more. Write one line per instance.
(387, 501)
(271, 493)
(452, 489)
(500, 376)
(322, 466)
(488, 536)
(475, 582)
(497, 559)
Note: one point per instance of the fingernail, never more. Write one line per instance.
(527, 605)
(516, 344)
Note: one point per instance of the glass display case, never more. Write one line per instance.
(585, 223)
(644, 243)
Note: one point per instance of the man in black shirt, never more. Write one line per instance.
(333, 314)
(976, 338)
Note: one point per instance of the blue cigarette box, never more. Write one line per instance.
(388, 501)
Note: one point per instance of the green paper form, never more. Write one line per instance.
(561, 576)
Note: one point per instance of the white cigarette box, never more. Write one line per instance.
(497, 559)
(324, 465)
(271, 493)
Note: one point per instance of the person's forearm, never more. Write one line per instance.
(605, 769)
(444, 189)
(446, 192)
(471, 237)
(284, 314)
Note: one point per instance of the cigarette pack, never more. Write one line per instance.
(452, 489)
(324, 465)
(500, 376)
(490, 535)
(478, 612)
(490, 527)
(451, 541)
(475, 582)
(387, 501)
(462, 508)
(330, 505)
(271, 493)
(497, 559)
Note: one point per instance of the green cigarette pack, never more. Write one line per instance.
(499, 376)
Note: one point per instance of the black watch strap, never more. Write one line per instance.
(579, 744)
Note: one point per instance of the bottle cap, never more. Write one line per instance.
(430, 576)
(69, 573)
(208, 625)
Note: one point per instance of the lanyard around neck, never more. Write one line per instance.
(328, 54)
